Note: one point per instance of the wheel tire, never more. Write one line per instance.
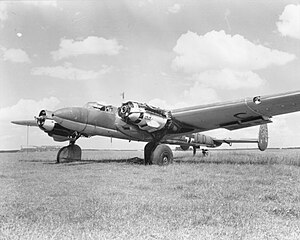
(162, 155)
(69, 153)
(150, 146)
(62, 154)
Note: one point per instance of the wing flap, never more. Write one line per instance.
(246, 123)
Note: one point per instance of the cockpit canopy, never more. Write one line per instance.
(99, 106)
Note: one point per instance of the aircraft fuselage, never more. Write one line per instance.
(91, 122)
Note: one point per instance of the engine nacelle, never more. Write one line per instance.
(47, 125)
(59, 138)
(146, 117)
(52, 128)
(45, 121)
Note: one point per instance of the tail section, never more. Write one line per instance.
(263, 137)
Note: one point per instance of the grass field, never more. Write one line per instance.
(228, 195)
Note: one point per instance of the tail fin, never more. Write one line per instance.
(263, 137)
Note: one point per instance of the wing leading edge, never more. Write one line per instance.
(238, 114)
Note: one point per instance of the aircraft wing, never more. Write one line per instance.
(238, 114)
(31, 123)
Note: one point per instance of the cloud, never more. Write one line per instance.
(229, 79)
(69, 72)
(200, 94)
(14, 55)
(218, 50)
(160, 103)
(289, 21)
(26, 109)
(197, 94)
(91, 45)
(163, 104)
(175, 8)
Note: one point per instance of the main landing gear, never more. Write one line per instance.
(159, 154)
(69, 153)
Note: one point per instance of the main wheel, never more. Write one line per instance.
(69, 153)
(150, 146)
(162, 155)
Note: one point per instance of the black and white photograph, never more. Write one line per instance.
(149, 119)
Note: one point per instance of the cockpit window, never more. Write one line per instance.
(99, 106)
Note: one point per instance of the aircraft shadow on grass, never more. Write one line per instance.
(134, 160)
(140, 161)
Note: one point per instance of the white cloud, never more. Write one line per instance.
(69, 72)
(289, 21)
(218, 50)
(26, 109)
(91, 45)
(160, 103)
(197, 94)
(175, 8)
(200, 94)
(229, 79)
(14, 55)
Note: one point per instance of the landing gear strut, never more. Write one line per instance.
(69, 153)
(159, 154)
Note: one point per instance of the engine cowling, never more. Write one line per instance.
(146, 117)
(52, 128)
(45, 121)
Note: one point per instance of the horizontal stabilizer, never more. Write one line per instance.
(31, 123)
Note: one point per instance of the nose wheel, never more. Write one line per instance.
(69, 153)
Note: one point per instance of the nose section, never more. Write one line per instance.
(74, 114)
(73, 118)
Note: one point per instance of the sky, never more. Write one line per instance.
(168, 54)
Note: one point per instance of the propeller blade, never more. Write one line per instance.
(31, 123)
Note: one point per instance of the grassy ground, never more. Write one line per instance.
(228, 195)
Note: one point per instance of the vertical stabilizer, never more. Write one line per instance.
(263, 137)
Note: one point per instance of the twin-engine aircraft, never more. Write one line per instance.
(158, 127)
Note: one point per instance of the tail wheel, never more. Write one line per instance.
(263, 137)
(162, 155)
